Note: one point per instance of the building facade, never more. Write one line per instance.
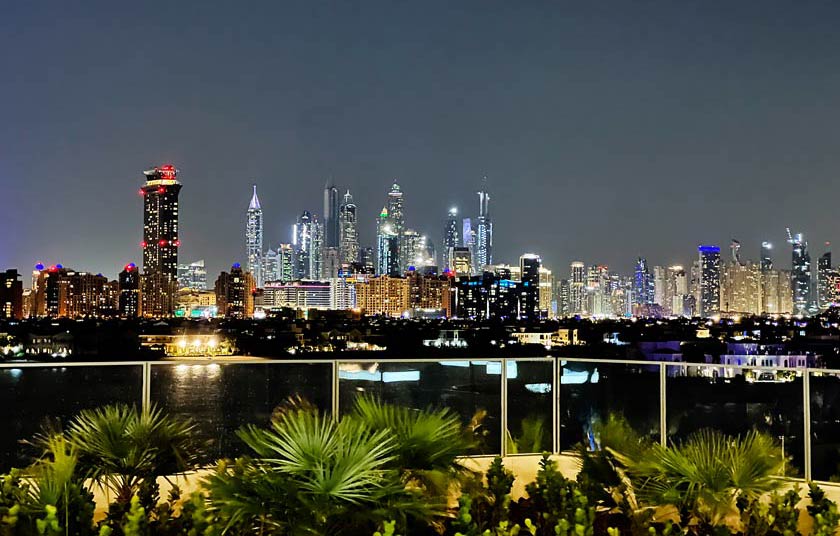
(254, 239)
(160, 240)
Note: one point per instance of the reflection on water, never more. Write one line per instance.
(221, 398)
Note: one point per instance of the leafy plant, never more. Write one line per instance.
(823, 511)
(125, 450)
(532, 439)
(707, 476)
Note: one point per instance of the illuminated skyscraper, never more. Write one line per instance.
(468, 241)
(331, 216)
(235, 293)
(451, 237)
(192, 276)
(826, 279)
(11, 295)
(800, 274)
(254, 238)
(285, 263)
(643, 289)
(577, 288)
(129, 287)
(529, 287)
(709, 284)
(461, 260)
(387, 245)
(160, 240)
(397, 219)
(308, 240)
(766, 262)
(484, 230)
(348, 231)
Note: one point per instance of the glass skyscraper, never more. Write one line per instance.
(709, 287)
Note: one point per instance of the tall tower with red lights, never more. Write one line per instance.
(160, 240)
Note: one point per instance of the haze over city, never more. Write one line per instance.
(606, 131)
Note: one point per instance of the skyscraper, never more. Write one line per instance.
(800, 274)
(450, 237)
(348, 232)
(11, 295)
(316, 254)
(643, 289)
(468, 240)
(286, 263)
(484, 230)
(302, 242)
(331, 213)
(397, 217)
(129, 288)
(577, 287)
(160, 240)
(825, 279)
(709, 284)
(192, 276)
(254, 238)
(235, 293)
(766, 262)
(387, 245)
(529, 289)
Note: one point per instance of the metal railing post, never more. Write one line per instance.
(146, 401)
(504, 407)
(335, 407)
(555, 413)
(806, 407)
(663, 405)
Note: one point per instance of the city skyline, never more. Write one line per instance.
(606, 135)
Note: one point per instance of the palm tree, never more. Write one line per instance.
(428, 444)
(313, 475)
(125, 450)
(707, 475)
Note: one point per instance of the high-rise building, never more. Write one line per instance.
(709, 286)
(254, 238)
(383, 295)
(676, 291)
(825, 278)
(577, 288)
(235, 293)
(564, 300)
(316, 254)
(302, 242)
(429, 292)
(192, 276)
(130, 301)
(766, 262)
(740, 288)
(484, 230)
(468, 239)
(387, 244)
(451, 237)
(270, 268)
(485, 296)
(331, 263)
(800, 275)
(461, 260)
(643, 289)
(529, 288)
(348, 231)
(660, 286)
(11, 295)
(367, 260)
(331, 216)
(160, 240)
(286, 262)
(301, 295)
(546, 296)
(397, 218)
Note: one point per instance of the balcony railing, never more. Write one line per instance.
(517, 406)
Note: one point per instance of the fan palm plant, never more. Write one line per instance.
(427, 443)
(707, 475)
(313, 475)
(125, 450)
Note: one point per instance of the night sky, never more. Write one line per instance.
(606, 130)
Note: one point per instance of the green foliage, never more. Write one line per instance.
(557, 504)
(706, 476)
(777, 516)
(125, 449)
(426, 444)
(532, 439)
(315, 474)
(823, 511)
